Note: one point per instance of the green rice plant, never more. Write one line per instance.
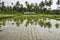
(1, 30)
(41, 23)
(47, 24)
(57, 25)
(18, 23)
(0, 25)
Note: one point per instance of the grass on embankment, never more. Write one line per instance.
(22, 16)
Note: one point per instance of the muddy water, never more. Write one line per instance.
(10, 31)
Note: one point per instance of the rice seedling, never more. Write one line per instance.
(47, 24)
(41, 23)
(57, 25)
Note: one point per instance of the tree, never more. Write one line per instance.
(41, 5)
(8, 8)
(49, 4)
(58, 7)
(58, 3)
(32, 7)
(0, 6)
(46, 3)
(27, 5)
(36, 7)
(21, 8)
(3, 6)
(17, 6)
(11, 3)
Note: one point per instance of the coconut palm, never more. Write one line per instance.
(17, 6)
(11, 3)
(36, 7)
(41, 5)
(0, 6)
(21, 8)
(49, 4)
(27, 5)
(46, 3)
(32, 7)
(3, 6)
(58, 3)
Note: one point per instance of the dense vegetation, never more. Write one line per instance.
(44, 7)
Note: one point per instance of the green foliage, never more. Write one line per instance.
(47, 24)
(38, 8)
(57, 25)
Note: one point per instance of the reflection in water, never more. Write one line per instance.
(30, 30)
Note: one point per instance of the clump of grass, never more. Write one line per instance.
(57, 25)
(35, 23)
(47, 24)
(2, 22)
(0, 25)
(41, 23)
(26, 24)
(17, 23)
(1, 30)
(12, 23)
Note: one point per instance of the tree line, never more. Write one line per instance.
(42, 7)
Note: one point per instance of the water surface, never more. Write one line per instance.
(31, 30)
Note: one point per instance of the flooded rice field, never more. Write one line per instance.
(48, 29)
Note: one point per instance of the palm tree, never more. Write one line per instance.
(17, 6)
(21, 8)
(3, 6)
(58, 3)
(41, 5)
(36, 7)
(11, 7)
(32, 7)
(58, 7)
(0, 5)
(49, 4)
(46, 3)
(27, 5)
(11, 3)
